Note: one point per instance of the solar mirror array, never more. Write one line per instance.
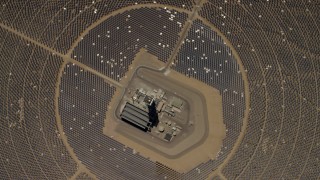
(62, 63)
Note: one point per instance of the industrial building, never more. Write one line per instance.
(137, 116)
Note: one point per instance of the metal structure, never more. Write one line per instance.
(61, 62)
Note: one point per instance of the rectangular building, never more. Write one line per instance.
(136, 116)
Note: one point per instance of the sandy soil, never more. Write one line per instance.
(207, 149)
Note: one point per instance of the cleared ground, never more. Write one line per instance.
(190, 137)
(209, 134)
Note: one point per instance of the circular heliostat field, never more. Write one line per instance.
(246, 72)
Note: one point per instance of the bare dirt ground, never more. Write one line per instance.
(210, 145)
